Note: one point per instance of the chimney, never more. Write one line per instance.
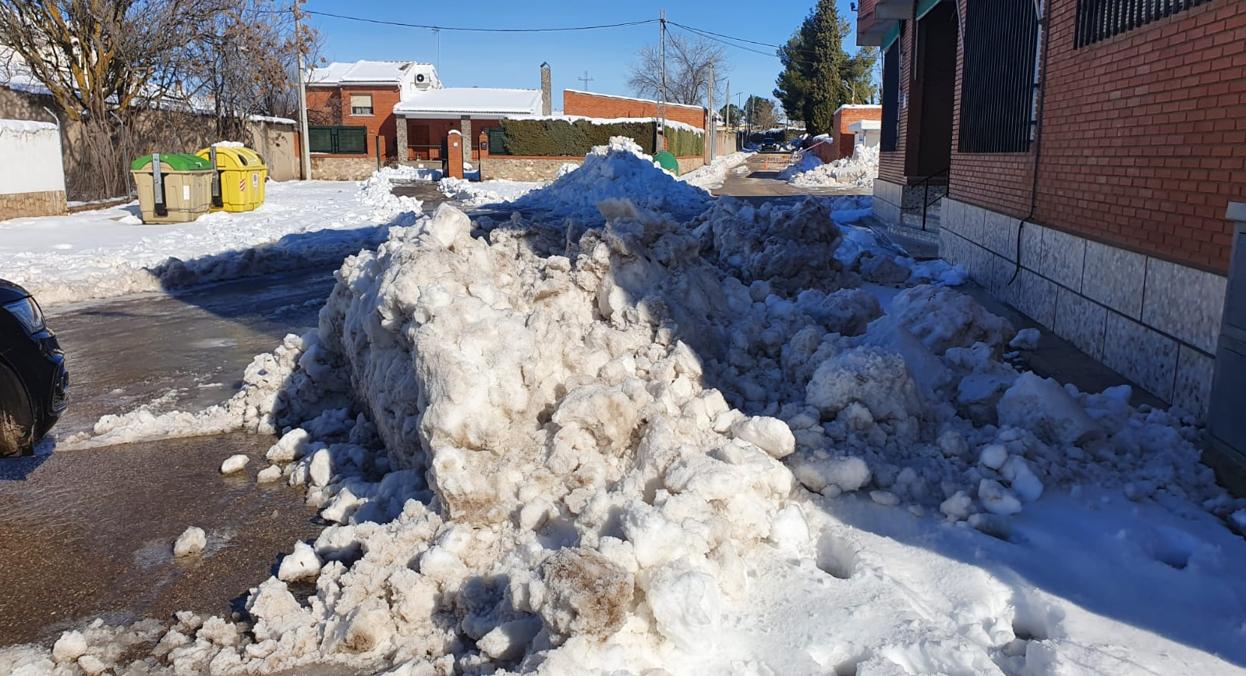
(547, 91)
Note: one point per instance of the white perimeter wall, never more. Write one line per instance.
(30, 157)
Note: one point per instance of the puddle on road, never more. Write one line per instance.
(90, 533)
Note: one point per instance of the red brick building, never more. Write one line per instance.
(350, 112)
(1089, 151)
(607, 106)
(842, 137)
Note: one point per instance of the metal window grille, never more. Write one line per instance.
(338, 140)
(891, 98)
(1098, 20)
(997, 89)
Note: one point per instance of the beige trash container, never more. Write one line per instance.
(172, 187)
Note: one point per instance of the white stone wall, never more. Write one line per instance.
(1153, 321)
(31, 153)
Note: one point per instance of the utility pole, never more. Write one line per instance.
(661, 141)
(727, 107)
(712, 132)
(585, 79)
(304, 142)
(437, 39)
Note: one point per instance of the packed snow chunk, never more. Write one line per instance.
(958, 507)
(1026, 339)
(687, 605)
(292, 446)
(300, 564)
(769, 434)
(268, 474)
(1043, 407)
(839, 474)
(857, 170)
(876, 378)
(320, 468)
(508, 640)
(942, 318)
(993, 456)
(996, 499)
(234, 463)
(1022, 479)
(619, 170)
(790, 531)
(69, 647)
(585, 594)
(190, 542)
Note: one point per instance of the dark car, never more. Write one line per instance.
(34, 384)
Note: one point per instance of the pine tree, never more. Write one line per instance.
(818, 75)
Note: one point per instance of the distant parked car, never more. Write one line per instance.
(770, 148)
(34, 384)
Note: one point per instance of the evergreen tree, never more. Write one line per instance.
(818, 75)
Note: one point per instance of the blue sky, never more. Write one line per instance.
(512, 60)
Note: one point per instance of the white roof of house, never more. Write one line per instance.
(475, 101)
(370, 72)
(865, 125)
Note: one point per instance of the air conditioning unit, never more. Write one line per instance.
(420, 78)
(1226, 420)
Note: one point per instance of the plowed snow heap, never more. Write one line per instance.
(589, 446)
(615, 171)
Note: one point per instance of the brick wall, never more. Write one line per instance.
(841, 138)
(17, 205)
(331, 105)
(1144, 137)
(608, 107)
(891, 164)
(437, 132)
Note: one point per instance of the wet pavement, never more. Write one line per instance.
(89, 533)
(760, 183)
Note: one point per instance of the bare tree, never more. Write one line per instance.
(688, 65)
(245, 65)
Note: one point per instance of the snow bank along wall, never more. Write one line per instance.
(32, 179)
(1121, 236)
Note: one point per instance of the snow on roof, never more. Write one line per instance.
(865, 125)
(372, 72)
(25, 126)
(633, 98)
(477, 101)
(674, 124)
(857, 106)
(271, 119)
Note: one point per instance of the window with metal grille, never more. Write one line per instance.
(891, 98)
(360, 104)
(1098, 20)
(338, 140)
(997, 88)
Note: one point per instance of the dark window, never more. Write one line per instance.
(997, 89)
(1099, 20)
(891, 97)
(338, 140)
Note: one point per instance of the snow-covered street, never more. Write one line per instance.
(633, 428)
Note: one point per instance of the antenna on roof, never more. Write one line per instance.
(585, 79)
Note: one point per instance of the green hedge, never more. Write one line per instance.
(685, 143)
(563, 138)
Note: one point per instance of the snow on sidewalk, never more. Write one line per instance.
(857, 170)
(702, 445)
(110, 252)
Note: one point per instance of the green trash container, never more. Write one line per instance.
(172, 187)
(667, 161)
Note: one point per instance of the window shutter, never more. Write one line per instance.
(360, 100)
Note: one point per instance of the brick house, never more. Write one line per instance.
(843, 136)
(1089, 151)
(350, 113)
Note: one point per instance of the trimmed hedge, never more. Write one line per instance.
(685, 143)
(564, 138)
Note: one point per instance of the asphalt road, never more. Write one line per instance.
(89, 533)
(761, 181)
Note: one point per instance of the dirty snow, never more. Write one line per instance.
(857, 170)
(713, 175)
(645, 447)
(481, 193)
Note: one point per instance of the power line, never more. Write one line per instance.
(464, 29)
(729, 37)
(707, 36)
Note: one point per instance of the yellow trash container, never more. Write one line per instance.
(240, 177)
(172, 187)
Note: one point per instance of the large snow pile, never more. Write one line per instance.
(619, 170)
(858, 170)
(713, 175)
(645, 447)
(481, 193)
(110, 252)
